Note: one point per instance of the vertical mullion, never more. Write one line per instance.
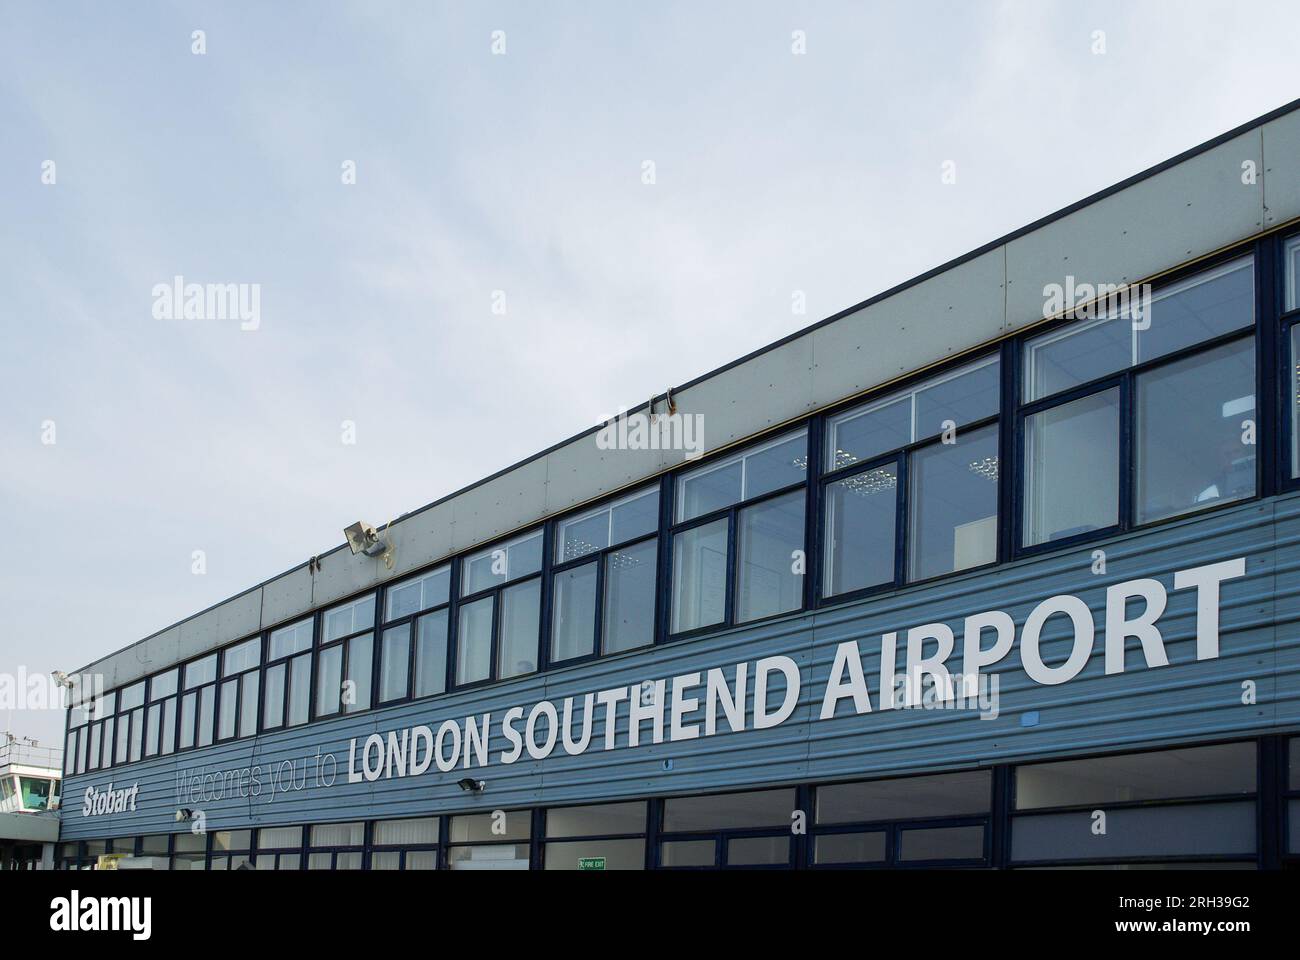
(812, 515)
(495, 647)
(1010, 452)
(902, 522)
(1127, 451)
(1269, 346)
(546, 598)
(598, 628)
(663, 560)
(453, 626)
(729, 601)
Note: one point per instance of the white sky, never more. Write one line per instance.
(475, 173)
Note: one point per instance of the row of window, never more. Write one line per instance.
(1181, 806)
(1138, 415)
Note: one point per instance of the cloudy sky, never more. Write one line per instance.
(477, 172)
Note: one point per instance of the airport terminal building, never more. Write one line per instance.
(1000, 568)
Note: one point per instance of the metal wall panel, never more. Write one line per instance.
(1281, 177)
(1152, 226)
(1186, 701)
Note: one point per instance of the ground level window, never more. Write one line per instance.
(605, 837)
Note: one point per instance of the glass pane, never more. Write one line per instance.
(97, 731)
(248, 704)
(600, 820)
(229, 701)
(954, 504)
(731, 811)
(361, 668)
(241, 657)
(521, 611)
(273, 706)
(1199, 308)
(189, 704)
(850, 848)
(1076, 354)
(699, 576)
(863, 434)
(291, 639)
(472, 827)
(504, 562)
(630, 597)
(1072, 468)
(582, 535)
(743, 476)
(232, 840)
(271, 838)
(167, 735)
(770, 562)
(162, 685)
(329, 680)
(910, 798)
(337, 834)
(1195, 432)
(200, 671)
(131, 697)
(137, 727)
(1293, 399)
(347, 861)
(1291, 268)
(493, 856)
(941, 843)
(957, 399)
(573, 632)
(124, 732)
(753, 851)
(1185, 829)
(299, 689)
(349, 618)
(688, 853)
(1162, 775)
(154, 720)
(394, 664)
(778, 465)
(207, 712)
(422, 860)
(431, 653)
(423, 830)
(474, 642)
(861, 518)
(385, 861)
(616, 854)
(637, 516)
(418, 593)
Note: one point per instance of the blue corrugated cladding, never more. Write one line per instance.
(1185, 701)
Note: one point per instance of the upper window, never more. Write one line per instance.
(936, 434)
(345, 661)
(498, 633)
(770, 466)
(237, 714)
(1199, 308)
(286, 679)
(413, 647)
(508, 561)
(966, 395)
(763, 532)
(162, 712)
(604, 584)
(1188, 435)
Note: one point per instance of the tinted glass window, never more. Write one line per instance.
(1162, 775)
(1195, 432)
(630, 597)
(770, 466)
(769, 565)
(699, 576)
(419, 593)
(909, 798)
(861, 516)
(573, 633)
(1072, 468)
(954, 504)
(764, 808)
(291, 639)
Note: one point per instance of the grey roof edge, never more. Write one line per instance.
(1174, 161)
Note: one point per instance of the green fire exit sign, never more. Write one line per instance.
(591, 863)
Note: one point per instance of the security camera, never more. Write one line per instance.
(364, 538)
(470, 785)
(183, 814)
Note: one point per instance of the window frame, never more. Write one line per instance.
(238, 679)
(731, 514)
(286, 662)
(600, 557)
(411, 622)
(460, 600)
(1126, 381)
(345, 643)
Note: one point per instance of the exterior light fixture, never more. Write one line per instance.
(470, 785)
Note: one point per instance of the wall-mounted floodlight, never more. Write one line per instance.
(470, 785)
(183, 814)
(364, 538)
(61, 678)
